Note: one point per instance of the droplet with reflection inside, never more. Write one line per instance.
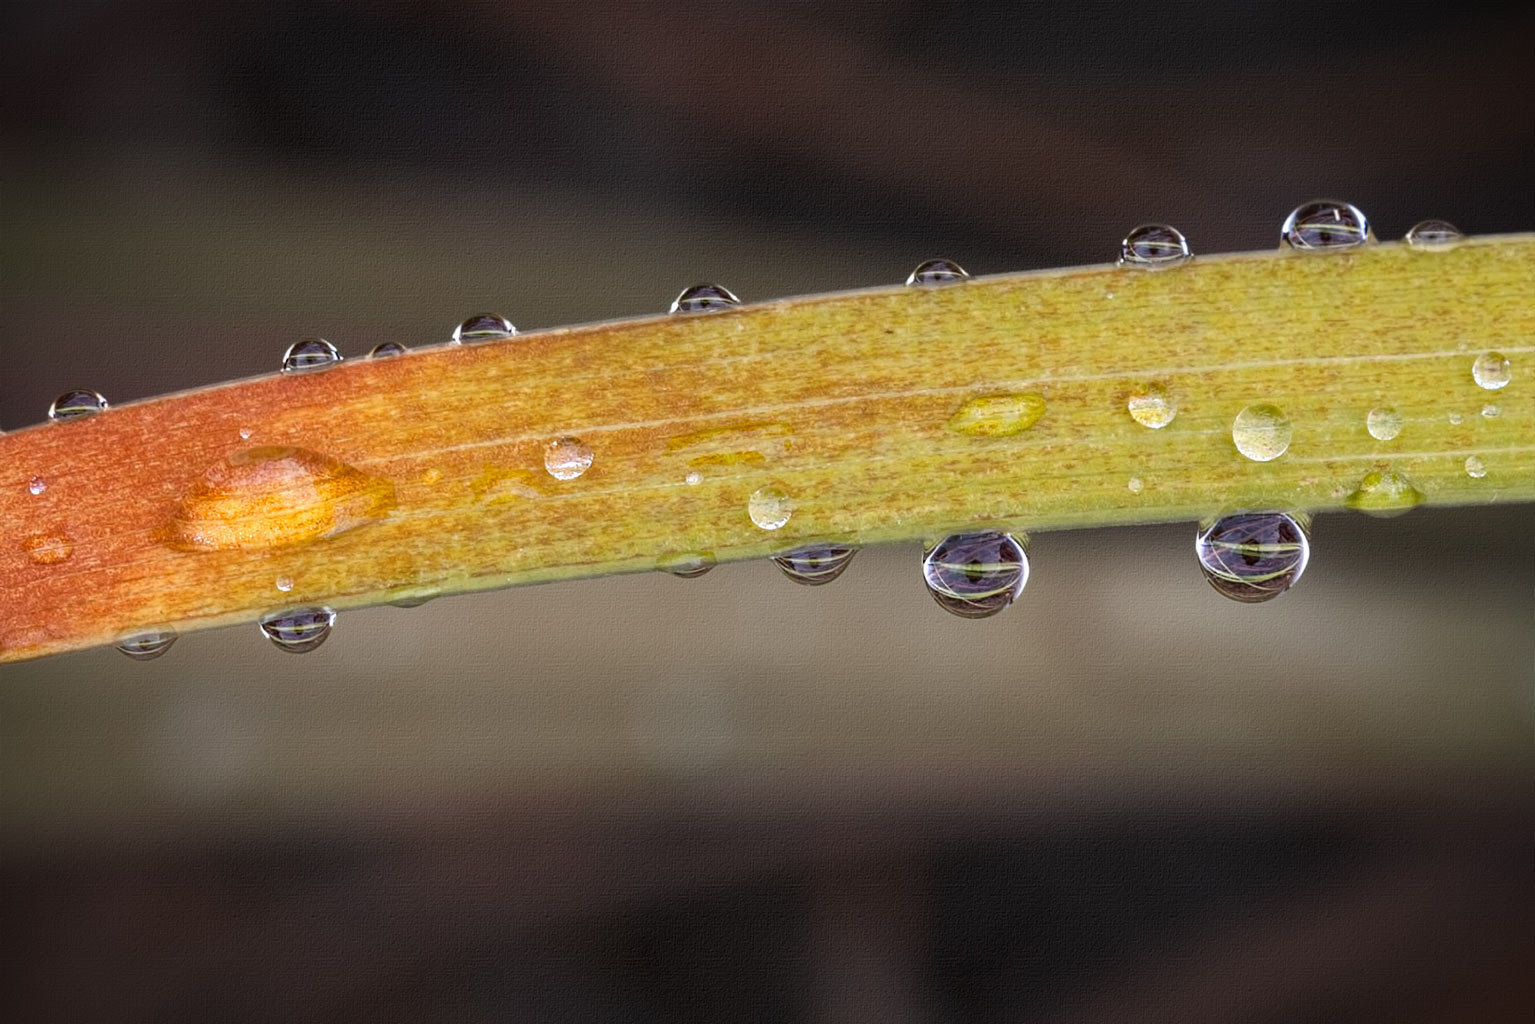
(385, 349)
(976, 575)
(704, 298)
(567, 458)
(930, 273)
(815, 564)
(1253, 556)
(1433, 234)
(1492, 371)
(1325, 224)
(309, 354)
(147, 646)
(687, 566)
(298, 630)
(1154, 247)
(483, 327)
(73, 405)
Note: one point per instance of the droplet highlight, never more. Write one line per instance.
(770, 508)
(567, 458)
(147, 646)
(483, 327)
(1152, 408)
(1384, 424)
(1433, 234)
(1154, 247)
(37, 485)
(1253, 556)
(73, 405)
(1492, 371)
(816, 564)
(1325, 224)
(385, 349)
(49, 548)
(704, 298)
(1261, 432)
(976, 575)
(1384, 493)
(932, 273)
(1475, 467)
(298, 630)
(998, 415)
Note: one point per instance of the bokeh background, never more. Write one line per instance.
(650, 799)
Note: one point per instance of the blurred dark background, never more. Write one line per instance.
(648, 799)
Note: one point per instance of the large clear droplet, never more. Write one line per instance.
(704, 298)
(147, 646)
(770, 508)
(1253, 556)
(1154, 246)
(936, 272)
(816, 564)
(1492, 371)
(1261, 432)
(1325, 224)
(567, 458)
(385, 349)
(309, 354)
(1433, 234)
(1153, 408)
(1475, 467)
(483, 327)
(976, 575)
(72, 405)
(1383, 423)
(298, 630)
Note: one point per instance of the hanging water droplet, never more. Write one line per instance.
(1253, 556)
(1136, 485)
(49, 548)
(483, 327)
(72, 405)
(1491, 411)
(1261, 432)
(816, 564)
(704, 298)
(1154, 246)
(1433, 234)
(1492, 371)
(1383, 423)
(385, 349)
(147, 646)
(567, 458)
(1153, 407)
(998, 415)
(37, 485)
(936, 272)
(1384, 493)
(976, 575)
(298, 630)
(770, 508)
(1325, 224)
(309, 354)
(1475, 467)
(687, 566)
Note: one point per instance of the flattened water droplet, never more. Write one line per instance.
(385, 349)
(1136, 485)
(1384, 493)
(704, 298)
(483, 327)
(147, 646)
(1383, 423)
(49, 548)
(976, 575)
(1261, 432)
(1325, 224)
(1492, 371)
(309, 354)
(72, 405)
(998, 415)
(1253, 556)
(815, 564)
(688, 566)
(298, 630)
(936, 272)
(770, 508)
(1153, 247)
(37, 485)
(1491, 412)
(1433, 234)
(273, 496)
(1475, 467)
(567, 458)
(1152, 408)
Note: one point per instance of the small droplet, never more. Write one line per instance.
(998, 415)
(298, 630)
(1455, 419)
(1253, 556)
(567, 458)
(976, 575)
(416, 599)
(693, 479)
(1491, 411)
(1475, 467)
(1325, 224)
(245, 433)
(284, 583)
(309, 354)
(49, 548)
(816, 564)
(1153, 247)
(1383, 424)
(1136, 485)
(1153, 407)
(1433, 234)
(704, 298)
(1261, 432)
(72, 405)
(147, 646)
(1384, 493)
(936, 272)
(483, 327)
(770, 508)
(385, 349)
(688, 566)
(1492, 371)
(37, 485)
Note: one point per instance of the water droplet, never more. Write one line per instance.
(245, 433)
(72, 405)
(298, 630)
(1153, 407)
(483, 327)
(385, 349)
(272, 496)
(816, 564)
(770, 508)
(1455, 419)
(1384, 493)
(936, 272)
(976, 575)
(284, 583)
(1491, 412)
(1475, 467)
(49, 548)
(1325, 224)
(1253, 556)
(1433, 234)
(1492, 371)
(1383, 424)
(309, 354)
(704, 298)
(688, 566)
(37, 485)
(147, 646)
(1136, 485)
(998, 415)
(693, 479)
(1261, 432)
(414, 601)
(1154, 246)
(567, 458)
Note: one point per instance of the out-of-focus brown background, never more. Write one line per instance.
(650, 799)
